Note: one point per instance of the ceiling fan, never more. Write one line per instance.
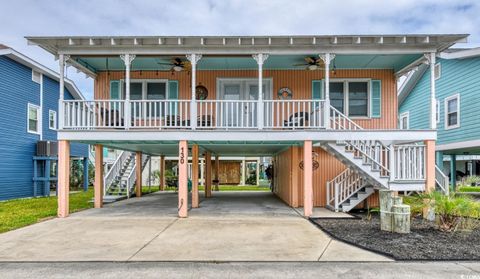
(177, 64)
(312, 63)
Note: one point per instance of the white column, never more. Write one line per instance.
(127, 59)
(327, 58)
(433, 106)
(242, 182)
(260, 58)
(61, 115)
(193, 58)
(258, 172)
(202, 172)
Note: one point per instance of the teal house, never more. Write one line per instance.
(457, 79)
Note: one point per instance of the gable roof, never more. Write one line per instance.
(417, 73)
(24, 60)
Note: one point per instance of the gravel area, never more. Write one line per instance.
(424, 242)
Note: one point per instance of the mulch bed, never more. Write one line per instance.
(424, 242)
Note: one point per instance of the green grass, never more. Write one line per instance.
(19, 213)
(468, 189)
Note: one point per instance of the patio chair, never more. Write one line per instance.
(298, 119)
(111, 118)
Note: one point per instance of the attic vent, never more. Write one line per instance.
(36, 76)
(438, 71)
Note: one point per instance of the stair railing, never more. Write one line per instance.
(372, 152)
(132, 177)
(339, 121)
(114, 171)
(342, 187)
(442, 181)
(409, 162)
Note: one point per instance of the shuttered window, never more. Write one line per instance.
(115, 90)
(376, 99)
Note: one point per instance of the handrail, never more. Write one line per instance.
(342, 187)
(378, 160)
(410, 160)
(342, 122)
(442, 180)
(114, 171)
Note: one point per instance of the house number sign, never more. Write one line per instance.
(182, 155)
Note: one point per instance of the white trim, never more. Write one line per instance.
(446, 112)
(230, 135)
(461, 54)
(41, 106)
(268, 82)
(54, 119)
(39, 116)
(404, 115)
(458, 145)
(437, 110)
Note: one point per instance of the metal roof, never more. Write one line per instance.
(223, 45)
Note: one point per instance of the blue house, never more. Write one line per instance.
(28, 114)
(457, 78)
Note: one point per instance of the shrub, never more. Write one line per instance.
(416, 204)
(468, 189)
(454, 212)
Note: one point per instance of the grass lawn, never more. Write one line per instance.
(468, 189)
(19, 213)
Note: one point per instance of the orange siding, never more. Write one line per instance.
(289, 181)
(299, 81)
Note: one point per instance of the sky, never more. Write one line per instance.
(21, 18)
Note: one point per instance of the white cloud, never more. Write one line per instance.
(220, 17)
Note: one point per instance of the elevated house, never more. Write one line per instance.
(458, 124)
(29, 115)
(323, 107)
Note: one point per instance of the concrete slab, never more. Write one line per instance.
(342, 252)
(239, 226)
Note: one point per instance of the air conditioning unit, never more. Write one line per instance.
(47, 148)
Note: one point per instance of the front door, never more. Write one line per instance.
(239, 107)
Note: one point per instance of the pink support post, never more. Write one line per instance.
(307, 178)
(183, 179)
(63, 186)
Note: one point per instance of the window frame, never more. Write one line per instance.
(50, 112)
(37, 108)
(346, 88)
(144, 83)
(437, 111)
(446, 113)
(403, 115)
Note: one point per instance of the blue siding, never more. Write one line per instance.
(17, 147)
(459, 76)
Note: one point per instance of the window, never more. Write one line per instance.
(52, 119)
(404, 119)
(36, 76)
(156, 91)
(350, 97)
(358, 99)
(452, 112)
(33, 116)
(437, 71)
(146, 89)
(437, 109)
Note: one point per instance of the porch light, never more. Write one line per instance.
(312, 67)
(177, 68)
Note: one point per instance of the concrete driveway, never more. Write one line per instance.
(231, 226)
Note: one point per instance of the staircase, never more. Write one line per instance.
(119, 182)
(371, 165)
(441, 181)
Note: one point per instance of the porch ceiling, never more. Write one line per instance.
(222, 148)
(145, 63)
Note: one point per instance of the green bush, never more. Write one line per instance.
(416, 204)
(454, 212)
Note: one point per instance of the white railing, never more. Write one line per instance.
(372, 152)
(160, 113)
(342, 187)
(339, 121)
(225, 114)
(409, 162)
(114, 171)
(294, 114)
(93, 114)
(442, 181)
(132, 177)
